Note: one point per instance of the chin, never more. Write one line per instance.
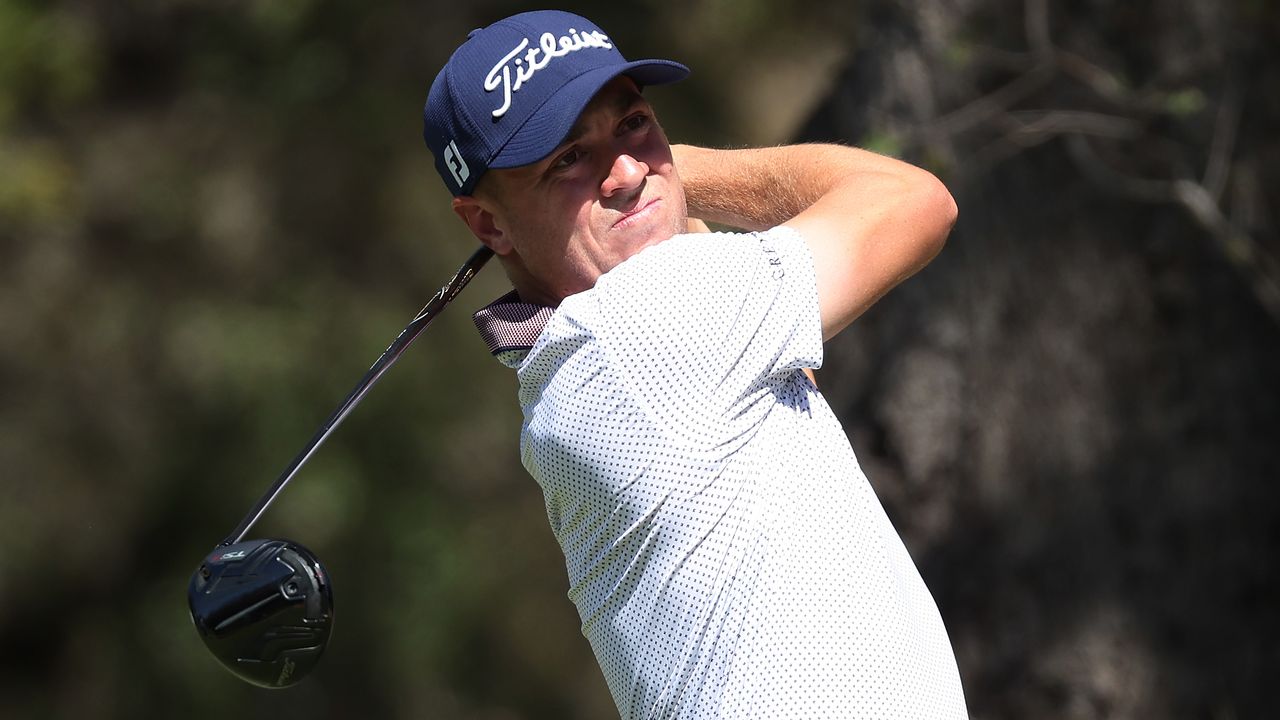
(662, 234)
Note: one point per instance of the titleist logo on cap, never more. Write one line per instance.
(537, 58)
(554, 61)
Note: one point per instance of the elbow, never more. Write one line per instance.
(938, 212)
(949, 212)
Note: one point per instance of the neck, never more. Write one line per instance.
(528, 287)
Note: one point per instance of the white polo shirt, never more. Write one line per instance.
(726, 554)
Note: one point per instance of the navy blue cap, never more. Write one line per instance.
(510, 94)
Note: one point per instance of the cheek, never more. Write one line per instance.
(657, 148)
(549, 227)
(574, 212)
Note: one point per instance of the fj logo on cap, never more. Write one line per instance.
(457, 166)
(537, 58)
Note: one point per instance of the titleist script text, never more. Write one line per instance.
(549, 46)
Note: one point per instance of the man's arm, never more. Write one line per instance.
(869, 220)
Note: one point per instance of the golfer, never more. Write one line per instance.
(726, 555)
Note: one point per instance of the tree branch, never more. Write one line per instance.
(1224, 137)
(1260, 270)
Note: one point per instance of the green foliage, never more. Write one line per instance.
(1185, 102)
(37, 184)
(883, 142)
(49, 60)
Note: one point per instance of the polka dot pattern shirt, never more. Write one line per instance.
(725, 552)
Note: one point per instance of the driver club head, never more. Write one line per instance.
(264, 608)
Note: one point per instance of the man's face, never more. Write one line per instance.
(607, 192)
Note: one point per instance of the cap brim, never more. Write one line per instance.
(547, 127)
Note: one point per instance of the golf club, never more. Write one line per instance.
(264, 608)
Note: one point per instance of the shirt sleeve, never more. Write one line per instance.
(705, 328)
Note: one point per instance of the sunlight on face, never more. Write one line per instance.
(607, 192)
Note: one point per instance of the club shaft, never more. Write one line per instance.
(380, 366)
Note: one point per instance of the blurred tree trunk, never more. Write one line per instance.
(1073, 414)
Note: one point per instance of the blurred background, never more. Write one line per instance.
(215, 215)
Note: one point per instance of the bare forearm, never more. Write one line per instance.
(758, 188)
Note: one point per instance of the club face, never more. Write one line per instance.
(264, 608)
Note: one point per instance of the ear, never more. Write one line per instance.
(483, 224)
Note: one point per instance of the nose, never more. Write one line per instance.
(626, 174)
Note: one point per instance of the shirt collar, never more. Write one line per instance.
(510, 327)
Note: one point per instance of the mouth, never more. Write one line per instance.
(638, 215)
